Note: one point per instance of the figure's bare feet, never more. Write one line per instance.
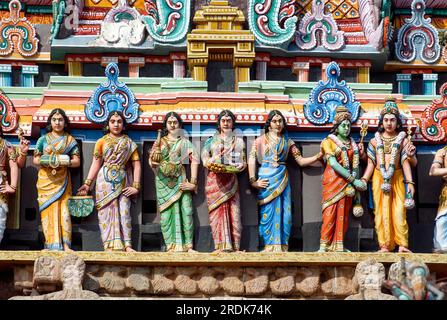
(383, 249)
(217, 251)
(129, 249)
(45, 249)
(191, 250)
(404, 249)
(239, 251)
(67, 248)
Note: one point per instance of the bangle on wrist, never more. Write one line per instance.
(13, 187)
(23, 154)
(350, 178)
(252, 180)
(409, 182)
(136, 185)
(364, 179)
(194, 181)
(88, 182)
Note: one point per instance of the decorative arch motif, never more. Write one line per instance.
(111, 96)
(167, 20)
(14, 26)
(327, 96)
(418, 39)
(272, 21)
(122, 26)
(9, 118)
(316, 27)
(433, 118)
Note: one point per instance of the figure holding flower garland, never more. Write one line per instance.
(390, 157)
(55, 153)
(340, 182)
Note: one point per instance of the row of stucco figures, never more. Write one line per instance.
(116, 169)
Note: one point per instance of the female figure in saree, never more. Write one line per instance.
(271, 150)
(224, 156)
(167, 156)
(117, 169)
(56, 152)
(340, 182)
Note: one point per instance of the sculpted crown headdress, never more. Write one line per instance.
(390, 107)
(341, 114)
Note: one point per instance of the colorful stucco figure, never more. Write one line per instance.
(117, 170)
(168, 157)
(410, 280)
(439, 169)
(55, 153)
(224, 156)
(274, 196)
(341, 180)
(390, 158)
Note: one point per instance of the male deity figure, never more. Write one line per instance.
(390, 158)
(341, 181)
(224, 156)
(439, 169)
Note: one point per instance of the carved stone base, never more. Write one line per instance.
(203, 275)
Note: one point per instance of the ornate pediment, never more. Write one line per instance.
(8, 115)
(17, 34)
(433, 122)
(418, 39)
(327, 96)
(111, 96)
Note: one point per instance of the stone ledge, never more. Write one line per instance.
(239, 259)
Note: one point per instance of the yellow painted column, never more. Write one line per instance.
(198, 68)
(75, 69)
(242, 74)
(363, 75)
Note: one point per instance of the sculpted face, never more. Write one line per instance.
(57, 123)
(277, 124)
(116, 125)
(371, 277)
(172, 125)
(226, 124)
(344, 129)
(390, 123)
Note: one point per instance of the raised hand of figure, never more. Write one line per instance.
(83, 190)
(261, 184)
(360, 185)
(130, 191)
(24, 145)
(361, 149)
(187, 186)
(411, 189)
(7, 189)
(410, 149)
